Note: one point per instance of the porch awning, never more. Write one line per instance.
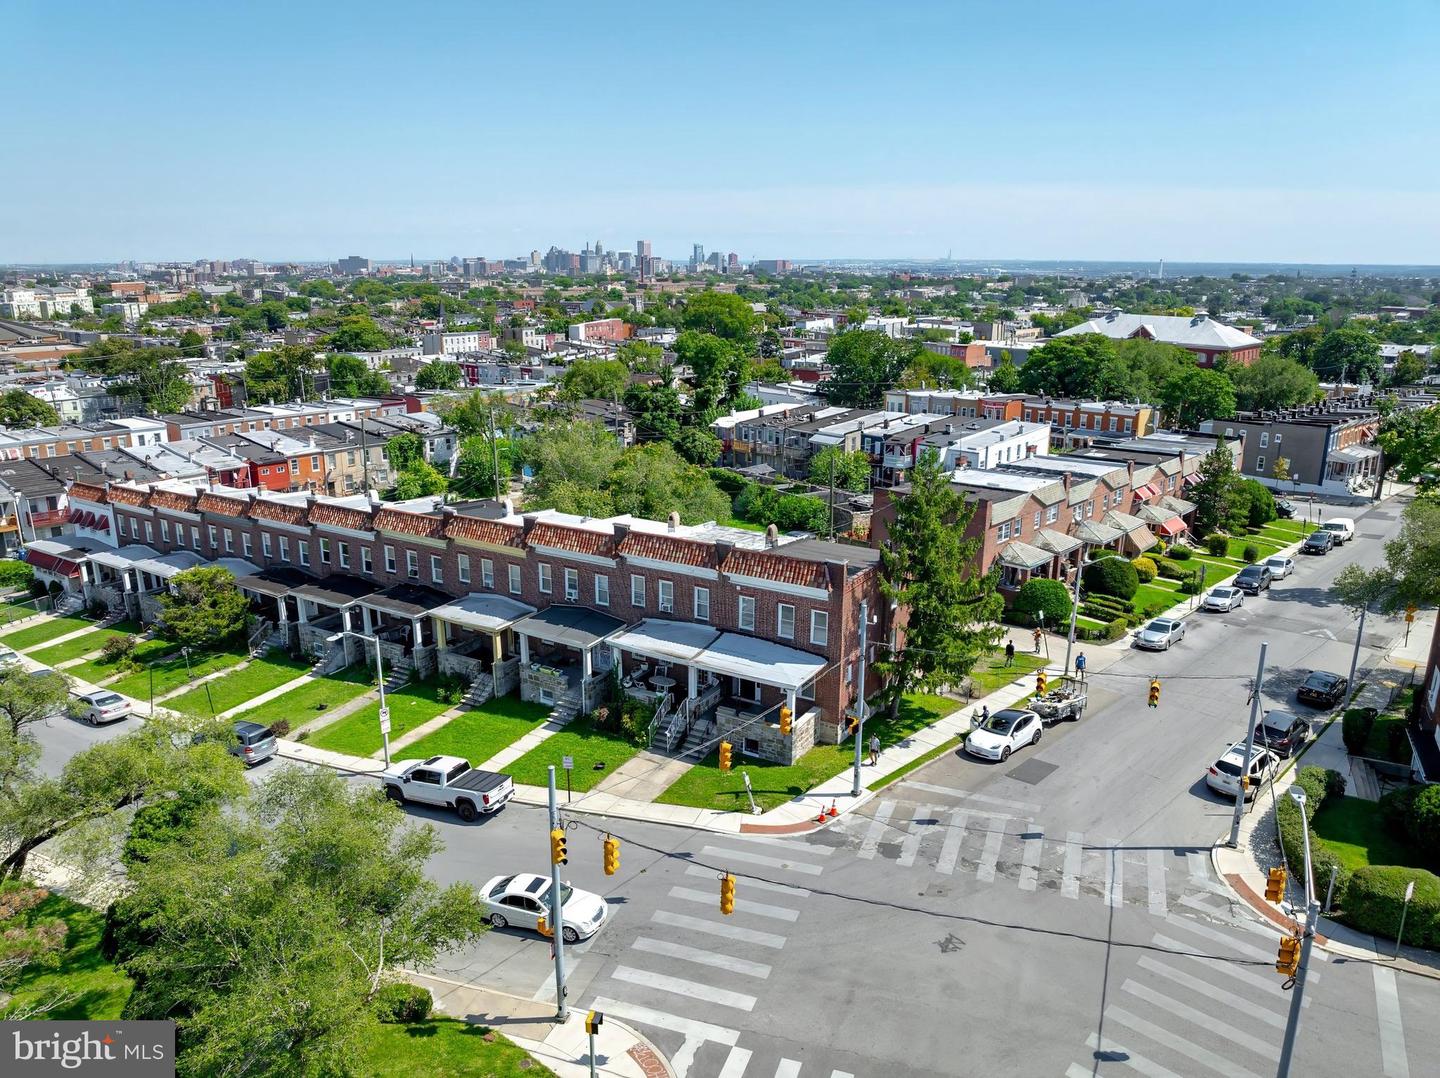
(123, 558)
(167, 565)
(569, 626)
(1088, 531)
(676, 641)
(487, 613)
(337, 591)
(1172, 527)
(52, 563)
(1018, 555)
(406, 600)
(238, 566)
(1056, 542)
(1146, 491)
(759, 660)
(1190, 480)
(273, 583)
(1355, 454)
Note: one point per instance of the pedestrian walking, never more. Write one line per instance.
(1009, 653)
(874, 749)
(1037, 634)
(984, 715)
(1080, 666)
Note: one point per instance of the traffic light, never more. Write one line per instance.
(612, 855)
(593, 1021)
(1275, 885)
(854, 724)
(558, 855)
(1154, 692)
(1288, 960)
(1040, 683)
(784, 721)
(542, 926)
(725, 756)
(727, 894)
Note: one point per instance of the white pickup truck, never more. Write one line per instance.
(447, 781)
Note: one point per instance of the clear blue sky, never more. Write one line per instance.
(1265, 131)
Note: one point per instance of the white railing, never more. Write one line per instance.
(662, 715)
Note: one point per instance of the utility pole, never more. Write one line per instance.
(1355, 655)
(557, 912)
(1074, 609)
(495, 452)
(860, 708)
(1312, 910)
(364, 452)
(1249, 748)
(832, 495)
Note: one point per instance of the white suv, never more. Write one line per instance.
(1224, 774)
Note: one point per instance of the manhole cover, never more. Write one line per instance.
(1032, 771)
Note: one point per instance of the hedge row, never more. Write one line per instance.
(1318, 784)
(1113, 630)
(1375, 898)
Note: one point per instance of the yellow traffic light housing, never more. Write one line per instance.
(1275, 885)
(1288, 960)
(1040, 683)
(593, 1021)
(854, 724)
(784, 721)
(725, 749)
(542, 926)
(727, 894)
(1155, 692)
(612, 855)
(558, 853)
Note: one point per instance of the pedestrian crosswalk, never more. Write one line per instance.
(692, 975)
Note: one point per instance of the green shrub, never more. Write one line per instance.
(1112, 630)
(401, 1001)
(1374, 898)
(1145, 568)
(117, 648)
(15, 575)
(1218, 545)
(1250, 554)
(1395, 810)
(1291, 824)
(1334, 783)
(1041, 596)
(1422, 822)
(1171, 570)
(1191, 585)
(1355, 728)
(1179, 552)
(1112, 576)
(280, 727)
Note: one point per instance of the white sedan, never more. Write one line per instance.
(1224, 599)
(521, 900)
(1005, 732)
(1280, 566)
(101, 707)
(1161, 634)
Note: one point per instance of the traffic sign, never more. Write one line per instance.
(385, 713)
(384, 726)
(567, 762)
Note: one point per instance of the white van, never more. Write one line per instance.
(1343, 528)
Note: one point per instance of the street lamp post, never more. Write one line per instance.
(1312, 911)
(1074, 609)
(380, 679)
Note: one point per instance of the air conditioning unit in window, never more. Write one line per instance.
(414, 574)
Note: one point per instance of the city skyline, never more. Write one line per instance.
(1100, 138)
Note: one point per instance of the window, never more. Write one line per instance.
(1259, 465)
(194, 535)
(1229, 432)
(462, 567)
(367, 561)
(324, 551)
(1090, 509)
(543, 568)
(665, 596)
(1019, 526)
(747, 613)
(1114, 422)
(437, 569)
(1432, 691)
(785, 621)
(1052, 514)
(304, 545)
(849, 673)
(1036, 521)
(514, 571)
(389, 559)
(637, 591)
(1104, 501)
(315, 464)
(284, 548)
(487, 572)
(1264, 439)
(412, 564)
(1277, 439)
(213, 534)
(247, 545)
(165, 531)
(342, 553)
(572, 586)
(229, 541)
(134, 528)
(702, 604)
(1002, 532)
(602, 590)
(819, 627)
(266, 547)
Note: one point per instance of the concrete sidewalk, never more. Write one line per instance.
(564, 1047)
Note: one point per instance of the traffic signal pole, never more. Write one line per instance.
(860, 708)
(557, 913)
(1312, 912)
(1249, 748)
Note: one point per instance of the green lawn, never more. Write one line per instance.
(706, 786)
(443, 1048)
(97, 670)
(736, 522)
(1160, 594)
(84, 645)
(580, 740)
(1286, 532)
(175, 672)
(479, 734)
(1351, 828)
(41, 631)
(308, 701)
(100, 990)
(1084, 622)
(359, 733)
(991, 673)
(235, 688)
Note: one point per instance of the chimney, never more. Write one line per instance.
(673, 520)
(509, 506)
(722, 548)
(772, 536)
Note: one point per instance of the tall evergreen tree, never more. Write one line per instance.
(927, 569)
(1216, 492)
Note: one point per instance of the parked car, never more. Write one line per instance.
(1223, 598)
(1161, 634)
(1253, 579)
(1225, 773)
(101, 706)
(1321, 542)
(1342, 528)
(1282, 732)
(1280, 566)
(1006, 731)
(253, 743)
(1322, 689)
(8, 655)
(1284, 508)
(448, 781)
(521, 900)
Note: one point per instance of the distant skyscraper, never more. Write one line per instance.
(697, 256)
(733, 263)
(642, 249)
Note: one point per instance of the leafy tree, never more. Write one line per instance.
(652, 480)
(1194, 395)
(1040, 595)
(594, 379)
(284, 374)
(864, 363)
(1273, 382)
(696, 445)
(350, 376)
(788, 512)
(1259, 503)
(851, 471)
(722, 314)
(1410, 440)
(1409, 369)
(405, 451)
(27, 697)
(927, 567)
(191, 344)
(357, 333)
(1411, 573)
(1348, 353)
(327, 885)
(21, 409)
(1005, 378)
(656, 409)
(1088, 365)
(642, 357)
(1216, 492)
(204, 607)
(475, 470)
(420, 480)
(581, 454)
(718, 368)
(439, 374)
(513, 348)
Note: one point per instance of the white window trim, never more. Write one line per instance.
(602, 590)
(462, 567)
(637, 590)
(780, 632)
(517, 585)
(390, 563)
(437, 569)
(702, 599)
(817, 619)
(543, 575)
(746, 607)
(665, 596)
(412, 565)
(572, 585)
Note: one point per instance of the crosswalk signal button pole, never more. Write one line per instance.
(727, 894)
(612, 855)
(1275, 885)
(724, 756)
(1155, 692)
(1288, 960)
(558, 854)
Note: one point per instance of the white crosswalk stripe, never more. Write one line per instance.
(920, 826)
(735, 1063)
(742, 905)
(686, 953)
(799, 849)
(1201, 1019)
(1392, 1033)
(968, 795)
(1227, 969)
(649, 1016)
(954, 839)
(1176, 1043)
(1070, 882)
(1155, 881)
(749, 857)
(681, 987)
(1030, 866)
(870, 845)
(1114, 875)
(788, 1068)
(1135, 1062)
(717, 928)
(750, 883)
(1210, 991)
(985, 870)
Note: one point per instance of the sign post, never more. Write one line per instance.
(568, 763)
(385, 731)
(1409, 894)
(754, 808)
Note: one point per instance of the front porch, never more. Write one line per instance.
(562, 661)
(475, 637)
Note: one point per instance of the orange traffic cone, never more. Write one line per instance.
(833, 810)
(822, 817)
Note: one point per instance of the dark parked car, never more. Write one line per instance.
(1254, 579)
(1283, 732)
(1284, 509)
(1321, 542)
(1322, 689)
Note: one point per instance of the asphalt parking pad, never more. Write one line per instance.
(1032, 772)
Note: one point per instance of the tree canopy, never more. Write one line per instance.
(1410, 440)
(203, 606)
(1217, 494)
(21, 409)
(350, 376)
(358, 333)
(285, 374)
(439, 374)
(864, 363)
(851, 471)
(594, 379)
(722, 314)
